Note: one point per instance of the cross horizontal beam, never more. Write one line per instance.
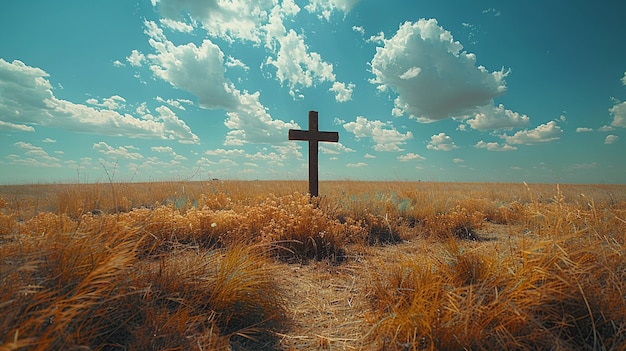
(296, 134)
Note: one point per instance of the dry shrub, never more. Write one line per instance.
(296, 227)
(459, 223)
(46, 223)
(8, 226)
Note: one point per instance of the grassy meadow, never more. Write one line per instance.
(258, 265)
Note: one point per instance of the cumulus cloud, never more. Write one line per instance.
(624, 79)
(122, 151)
(384, 135)
(606, 128)
(334, 148)
(356, 165)
(196, 69)
(618, 111)
(114, 102)
(256, 21)
(583, 130)
(432, 75)
(325, 8)
(611, 139)
(441, 142)
(27, 100)
(295, 65)
(251, 123)
(33, 156)
(178, 26)
(490, 117)
(544, 133)
(200, 71)
(493, 146)
(342, 92)
(8, 126)
(359, 29)
(136, 58)
(229, 20)
(225, 153)
(410, 156)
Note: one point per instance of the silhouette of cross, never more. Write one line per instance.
(313, 136)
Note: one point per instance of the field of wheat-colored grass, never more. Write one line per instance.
(258, 265)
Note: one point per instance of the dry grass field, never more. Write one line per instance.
(227, 265)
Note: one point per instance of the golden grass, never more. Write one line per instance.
(401, 266)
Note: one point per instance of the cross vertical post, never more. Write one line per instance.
(313, 136)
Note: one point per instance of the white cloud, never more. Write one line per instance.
(122, 151)
(163, 149)
(606, 129)
(493, 11)
(30, 149)
(198, 70)
(618, 111)
(369, 156)
(386, 137)
(611, 139)
(410, 156)
(251, 123)
(334, 148)
(325, 8)
(174, 103)
(31, 102)
(342, 92)
(176, 25)
(225, 153)
(114, 102)
(136, 58)
(233, 62)
(490, 117)
(359, 29)
(448, 84)
(544, 133)
(624, 79)
(34, 156)
(378, 38)
(458, 160)
(356, 165)
(8, 126)
(298, 67)
(583, 130)
(441, 142)
(49, 140)
(229, 20)
(493, 146)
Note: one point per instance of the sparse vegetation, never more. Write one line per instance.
(260, 266)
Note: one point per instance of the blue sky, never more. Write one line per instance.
(481, 91)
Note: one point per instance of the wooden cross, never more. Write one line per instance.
(313, 136)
